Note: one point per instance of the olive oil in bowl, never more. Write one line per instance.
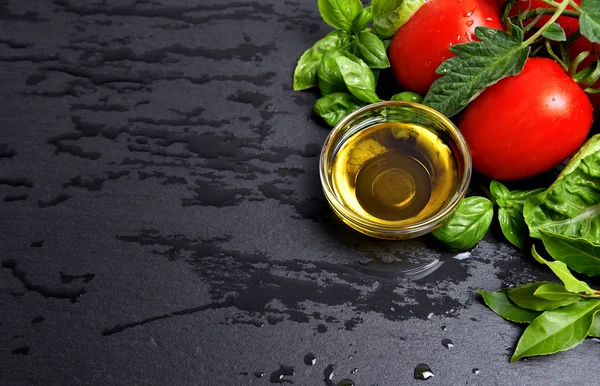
(395, 170)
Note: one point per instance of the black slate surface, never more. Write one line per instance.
(162, 220)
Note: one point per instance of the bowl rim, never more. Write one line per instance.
(393, 230)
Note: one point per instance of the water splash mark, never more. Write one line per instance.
(95, 183)
(24, 350)
(195, 15)
(16, 182)
(187, 311)
(72, 294)
(66, 279)
(16, 197)
(53, 202)
(7, 152)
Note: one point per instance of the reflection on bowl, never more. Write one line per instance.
(395, 170)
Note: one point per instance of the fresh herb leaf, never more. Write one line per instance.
(358, 78)
(577, 253)
(329, 76)
(339, 13)
(595, 330)
(305, 74)
(555, 32)
(500, 303)
(362, 20)
(467, 225)
(389, 15)
(561, 270)
(554, 291)
(510, 211)
(524, 296)
(370, 48)
(589, 20)
(477, 65)
(557, 330)
(407, 96)
(571, 205)
(334, 107)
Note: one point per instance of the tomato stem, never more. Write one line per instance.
(559, 10)
(555, 57)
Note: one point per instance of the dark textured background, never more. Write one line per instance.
(162, 220)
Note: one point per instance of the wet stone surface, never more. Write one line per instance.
(163, 223)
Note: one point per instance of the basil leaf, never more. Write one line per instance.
(524, 296)
(557, 330)
(476, 66)
(407, 96)
(467, 225)
(305, 74)
(561, 270)
(389, 15)
(334, 107)
(589, 20)
(571, 205)
(358, 78)
(329, 76)
(339, 13)
(370, 48)
(361, 21)
(577, 253)
(554, 291)
(499, 191)
(555, 32)
(595, 330)
(510, 211)
(500, 303)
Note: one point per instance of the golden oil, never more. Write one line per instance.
(394, 172)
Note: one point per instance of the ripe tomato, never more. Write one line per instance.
(526, 124)
(579, 45)
(569, 24)
(422, 43)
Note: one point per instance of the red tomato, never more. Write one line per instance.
(569, 24)
(580, 45)
(422, 43)
(526, 124)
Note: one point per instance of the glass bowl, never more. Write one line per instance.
(387, 196)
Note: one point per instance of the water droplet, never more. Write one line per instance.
(476, 371)
(444, 328)
(469, 23)
(346, 382)
(447, 343)
(430, 315)
(423, 372)
(310, 359)
(349, 356)
(277, 376)
(256, 322)
(462, 256)
(259, 374)
(392, 309)
(328, 375)
(354, 370)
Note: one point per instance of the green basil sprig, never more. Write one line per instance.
(334, 107)
(467, 225)
(510, 211)
(389, 15)
(305, 75)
